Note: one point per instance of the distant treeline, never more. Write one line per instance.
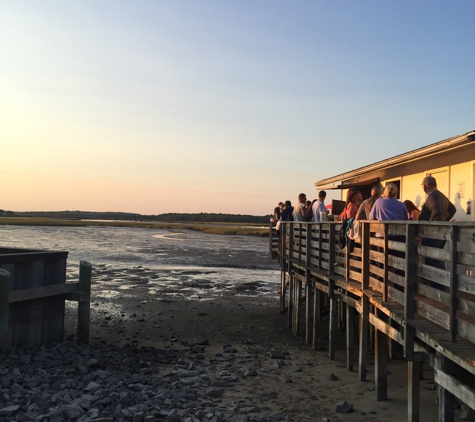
(169, 217)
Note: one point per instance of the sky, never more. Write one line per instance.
(220, 106)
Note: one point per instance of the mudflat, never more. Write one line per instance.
(241, 333)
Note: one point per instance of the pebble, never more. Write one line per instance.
(109, 383)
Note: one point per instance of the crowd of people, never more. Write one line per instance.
(381, 205)
(304, 210)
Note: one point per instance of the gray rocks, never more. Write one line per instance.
(109, 383)
(344, 407)
(9, 411)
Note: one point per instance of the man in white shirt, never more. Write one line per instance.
(299, 208)
(319, 206)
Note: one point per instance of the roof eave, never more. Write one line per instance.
(436, 148)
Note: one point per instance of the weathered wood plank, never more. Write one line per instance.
(43, 291)
(455, 387)
(396, 295)
(434, 230)
(413, 390)
(381, 365)
(433, 274)
(386, 328)
(53, 312)
(466, 284)
(396, 279)
(350, 337)
(435, 253)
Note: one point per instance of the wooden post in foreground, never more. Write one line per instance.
(84, 308)
(4, 307)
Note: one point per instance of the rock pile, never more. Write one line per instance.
(105, 383)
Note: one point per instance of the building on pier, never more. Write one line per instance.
(451, 162)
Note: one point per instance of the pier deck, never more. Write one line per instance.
(410, 284)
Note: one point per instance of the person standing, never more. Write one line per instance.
(299, 209)
(319, 206)
(367, 204)
(436, 208)
(287, 211)
(412, 211)
(353, 201)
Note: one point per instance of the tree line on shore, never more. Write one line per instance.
(168, 217)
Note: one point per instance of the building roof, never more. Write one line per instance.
(458, 141)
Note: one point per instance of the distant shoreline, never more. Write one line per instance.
(220, 228)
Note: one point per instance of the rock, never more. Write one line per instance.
(369, 386)
(239, 418)
(276, 354)
(72, 411)
(214, 392)
(332, 377)
(9, 411)
(344, 407)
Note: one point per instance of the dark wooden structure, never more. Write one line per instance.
(413, 283)
(33, 291)
(273, 241)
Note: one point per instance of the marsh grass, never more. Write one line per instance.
(212, 228)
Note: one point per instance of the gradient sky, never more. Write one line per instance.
(220, 106)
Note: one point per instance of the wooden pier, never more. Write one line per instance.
(408, 283)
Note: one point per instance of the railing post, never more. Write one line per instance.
(84, 308)
(386, 260)
(410, 290)
(271, 238)
(453, 283)
(308, 285)
(320, 242)
(4, 307)
(284, 265)
(364, 316)
(331, 296)
(413, 365)
(300, 243)
(331, 249)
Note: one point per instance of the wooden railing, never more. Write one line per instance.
(413, 282)
(33, 291)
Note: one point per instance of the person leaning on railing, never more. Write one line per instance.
(388, 207)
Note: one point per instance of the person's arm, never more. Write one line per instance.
(415, 215)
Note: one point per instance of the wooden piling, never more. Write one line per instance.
(4, 307)
(84, 307)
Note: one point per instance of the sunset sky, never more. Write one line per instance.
(220, 106)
